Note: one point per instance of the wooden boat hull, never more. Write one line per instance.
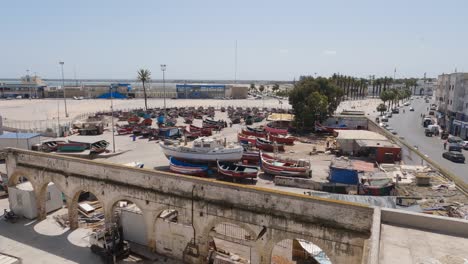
(278, 167)
(251, 156)
(245, 138)
(276, 131)
(71, 147)
(266, 145)
(234, 155)
(187, 168)
(282, 140)
(254, 133)
(235, 171)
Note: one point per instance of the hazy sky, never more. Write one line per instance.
(277, 40)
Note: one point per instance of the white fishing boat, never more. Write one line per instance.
(204, 149)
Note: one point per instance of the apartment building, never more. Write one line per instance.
(451, 97)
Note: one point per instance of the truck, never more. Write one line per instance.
(109, 244)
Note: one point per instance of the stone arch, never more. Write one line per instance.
(73, 203)
(421, 91)
(281, 236)
(41, 196)
(111, 203)
(15, 176)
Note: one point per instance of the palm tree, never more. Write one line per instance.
(144, 77)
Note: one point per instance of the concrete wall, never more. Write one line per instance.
(24, 203)
(18, 143)
(433, 223)
(133, 225)
(340, 228)
(298, 182)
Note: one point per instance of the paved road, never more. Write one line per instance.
(409, 125)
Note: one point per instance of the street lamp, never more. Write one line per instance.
(63, 87)
(163, 69)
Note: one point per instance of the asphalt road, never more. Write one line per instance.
(409, 125)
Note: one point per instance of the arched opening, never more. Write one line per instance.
(53, 211)
(421, 91)
(298, 251)
(228, 241)
(130, 221)
(173, 235)
(22, 195)
(86, 214)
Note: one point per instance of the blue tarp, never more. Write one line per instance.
(115, 95)
(346, 176)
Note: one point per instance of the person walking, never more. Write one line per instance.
(445, 145)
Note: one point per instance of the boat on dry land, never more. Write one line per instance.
(267, 145)
(237, 171)
(284, 167)
(204, 149)
(187, 168)
(288, 140)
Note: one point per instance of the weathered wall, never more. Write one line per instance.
(339, 228)
(298, 182)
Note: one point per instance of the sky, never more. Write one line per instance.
(276, 40)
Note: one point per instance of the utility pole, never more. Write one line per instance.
(28, 81)
(112, 113)
(63, 87)
(163, 69)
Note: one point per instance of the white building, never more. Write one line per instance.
(451, 97)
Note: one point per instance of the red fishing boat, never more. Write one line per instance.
(267, 145)
(275, 130)
(246, 138)
(236, 171)
(288, 140)
(251, 156)
(256, 132)
(124, 130)
(187, 168)
(283, 167)
(205, 132)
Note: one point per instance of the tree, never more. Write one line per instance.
(262, 88)
(275, 87)
(144, 77)
(381, 108)
(386, 96)
(314, 100)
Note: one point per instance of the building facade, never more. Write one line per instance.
(27, 87)
(451, 97)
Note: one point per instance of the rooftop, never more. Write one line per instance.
(358, 134)
(373, 143)
(19, 135)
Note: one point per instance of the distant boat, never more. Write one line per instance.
(204, 149)
(267, 145)
(50, 146)
(187, 168)
(281, 167)
(288, 140)
(71, 147)
(236, 171)
(246, 138)
(275, 130)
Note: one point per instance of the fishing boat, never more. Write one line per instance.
(288, 140)
(256, 132)
(188, 120)
(246, 138)
(213, 124)
(50, 146)
(267, 145)
(251, 156)
(187, 168)
(204, 149)
(71, 147)
(99, 146)
(237, 171)
(270, 128)
(124, 130)
(204, 131)
(282, 167)
(236, 119)
(133, 120)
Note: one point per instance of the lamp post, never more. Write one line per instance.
(63, 87)
(163, 69)
(112, 113)
(28, 81)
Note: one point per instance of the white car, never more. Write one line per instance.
(406, 104)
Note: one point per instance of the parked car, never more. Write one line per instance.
(465, 145)
(454, 156)
(428, 132)
(455, 147)
(411, 109)
(406, 104)
(454, 139)
(389, 114)
(395, 110)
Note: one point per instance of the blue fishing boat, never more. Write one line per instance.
(188, 168)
